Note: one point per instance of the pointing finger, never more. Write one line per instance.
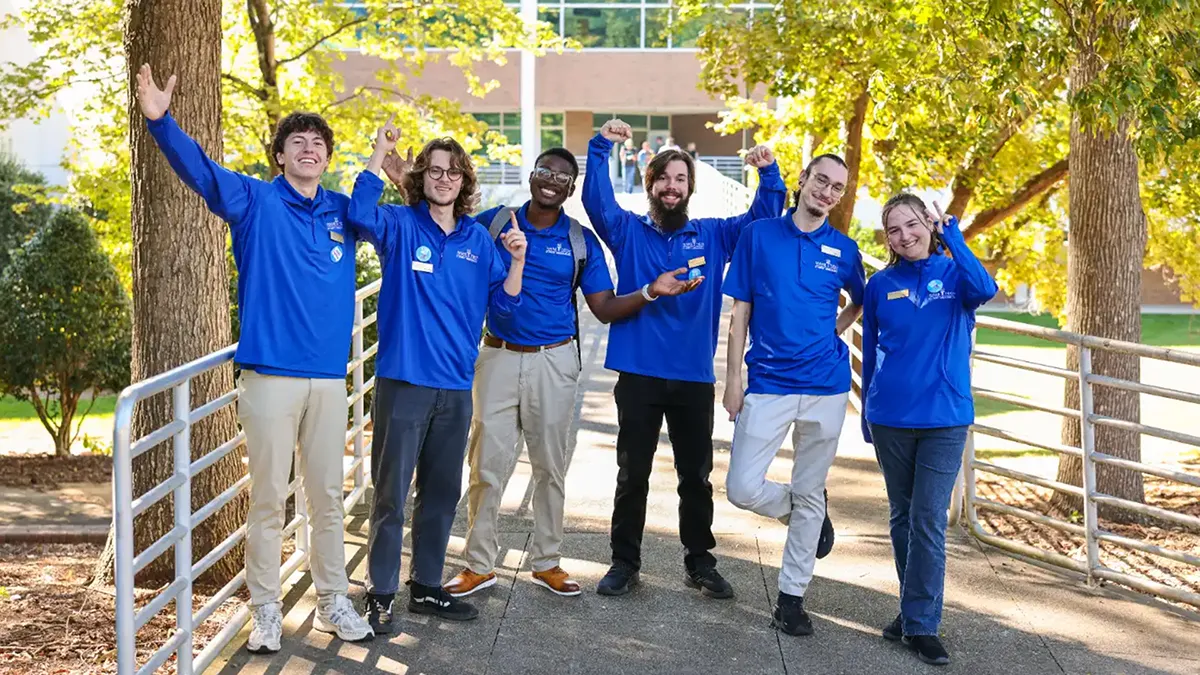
(512, 217)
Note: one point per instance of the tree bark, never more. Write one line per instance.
(1106, 247)
(268, 66)
(180, 279)
(843, 213)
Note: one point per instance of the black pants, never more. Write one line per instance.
(642, 402)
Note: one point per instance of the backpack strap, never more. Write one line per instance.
(579, 254)
(502, 216)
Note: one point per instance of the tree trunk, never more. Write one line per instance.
(268, 66)
(180, 279)
(843, 213)
(1106, 247)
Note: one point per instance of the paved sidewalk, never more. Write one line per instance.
(1002, 616)
(70, 513)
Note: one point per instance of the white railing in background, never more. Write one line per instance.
(125, 508)
(966, 499)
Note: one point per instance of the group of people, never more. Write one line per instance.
(633, 161)
(443, 392)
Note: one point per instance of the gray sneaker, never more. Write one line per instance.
(267, 630)
(336, 615)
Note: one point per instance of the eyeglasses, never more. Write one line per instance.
(822, 182)
(436, 173)
(542, 173)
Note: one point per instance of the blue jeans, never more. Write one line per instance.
(630, 178)
(421, 430)
(919, 467)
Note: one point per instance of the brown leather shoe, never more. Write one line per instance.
(467, 582)
(557, 580)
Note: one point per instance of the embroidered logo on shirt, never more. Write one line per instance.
(934, 286)
(558, 249)
(827, 265)
(335, 254)
(468, 256)
(424, 254)
(335, 224)
(693, 245)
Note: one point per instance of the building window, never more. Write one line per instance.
(645, 127)
(553, 130)
(629, 24)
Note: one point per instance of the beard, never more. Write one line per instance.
(814, 211)
(668, 218)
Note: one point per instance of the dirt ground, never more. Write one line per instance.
(47, 472)
(1159, 492)
(51, 623)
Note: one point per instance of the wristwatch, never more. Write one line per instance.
(646, 293)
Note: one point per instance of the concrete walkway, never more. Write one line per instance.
(1002, 616)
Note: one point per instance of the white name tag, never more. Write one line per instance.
(896, 295)
(829, 250)
(422, 266)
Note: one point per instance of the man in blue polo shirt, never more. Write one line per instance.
(528, 371)
(441, 273)
(664, 353)
(295, 292)
(785, 279)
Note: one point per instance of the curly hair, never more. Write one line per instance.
(658, 166)
(916, 204)
(413, 184)
(300, 122)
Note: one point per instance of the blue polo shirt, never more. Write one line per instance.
(917, 323)
(295, 261)
(673, 338)
(794, 279)
(546, 314)
(436, 289)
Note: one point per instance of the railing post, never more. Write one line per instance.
(123, 527)
(1087, 439)
(360, 473)
(183, 518)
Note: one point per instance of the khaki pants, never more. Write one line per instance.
(276, 412)
(515, 393)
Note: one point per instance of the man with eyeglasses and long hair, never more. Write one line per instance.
(441, 274)
(528, 369)
(785, 278)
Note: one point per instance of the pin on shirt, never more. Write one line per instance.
(896, 295)
(696, 262)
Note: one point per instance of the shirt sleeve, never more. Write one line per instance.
(228, 194)
(739, 280)
(856, 278)
(369, 220)
(596, 277)
(768, 203)
(975, 284)
(599, 200)
(500, 303)
(870, 341)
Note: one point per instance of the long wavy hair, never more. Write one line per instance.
(414, 181)
(916, 204)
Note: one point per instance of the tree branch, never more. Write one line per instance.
(359, 91)
(245, 86)
(321, 40)
(1032, 188)
(40, 407)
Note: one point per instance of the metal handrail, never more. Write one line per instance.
(126, 508)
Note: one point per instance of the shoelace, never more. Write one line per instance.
(265, 618)
(381, 607)
(341, 611)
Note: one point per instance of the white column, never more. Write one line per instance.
(530, 138)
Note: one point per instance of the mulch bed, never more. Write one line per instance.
(52, 623)
(47, 472)
(1162, 493)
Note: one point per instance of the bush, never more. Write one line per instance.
(65, 324)
(21, 212)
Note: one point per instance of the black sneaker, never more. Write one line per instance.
(825, 543)
(619, 581)
(710, 582)
(379, 612)
(894, 630)
(928, 648)
(790, 616)
(436, 601)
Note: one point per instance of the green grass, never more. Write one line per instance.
(1159, 330)
(1010, 453)
(986, 407)
(13, 410)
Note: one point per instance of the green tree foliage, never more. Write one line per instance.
(23, 207)
(65, 324)
(279, 56)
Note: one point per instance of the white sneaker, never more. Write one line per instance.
(268, 629)
(337, 616)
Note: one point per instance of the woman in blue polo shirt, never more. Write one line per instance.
(918, 314)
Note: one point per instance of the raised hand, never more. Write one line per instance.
(387, 137)
(514, 240)
(396, 166)
(616, 131)
(759, 157)
(938, 224)
(668, 284)
(153, 101)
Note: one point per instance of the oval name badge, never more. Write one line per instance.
(335, 254)
(424, 254)
(934, 286)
